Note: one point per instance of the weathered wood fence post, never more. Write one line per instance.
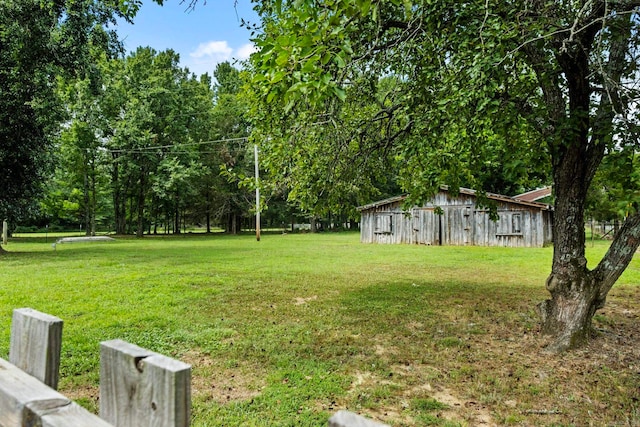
(36, 339)
(26, 402)
(28, 382)
(349, 419)
(140, 388)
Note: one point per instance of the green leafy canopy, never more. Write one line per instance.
(403, 90)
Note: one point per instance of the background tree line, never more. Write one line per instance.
(143, 147)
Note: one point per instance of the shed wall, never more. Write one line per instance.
(457, 221)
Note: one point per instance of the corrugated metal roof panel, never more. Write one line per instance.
(533, 195)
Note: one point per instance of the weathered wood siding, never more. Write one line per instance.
(449, 220)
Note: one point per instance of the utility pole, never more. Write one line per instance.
(255, 155)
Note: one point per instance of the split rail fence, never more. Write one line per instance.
(138, 387)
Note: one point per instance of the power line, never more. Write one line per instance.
(158, 147)
(171, 152)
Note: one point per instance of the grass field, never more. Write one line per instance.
(287, 331)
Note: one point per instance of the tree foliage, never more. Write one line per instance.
(615, 193)
(39, 41)
(474, 93)
(156, 114)
(367, 81)
(232, 162)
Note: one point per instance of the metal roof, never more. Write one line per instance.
(533, 195)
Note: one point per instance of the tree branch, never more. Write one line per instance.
(549, 82)
(619, 255)
(610, 101)
(393, 23)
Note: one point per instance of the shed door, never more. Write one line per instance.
(426, 226)
(481, 227)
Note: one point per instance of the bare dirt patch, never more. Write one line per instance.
(476, 414)
(489, 368)
(510, 376)
(222, 381)
(210, 380)
(90, 392)
(302, 301)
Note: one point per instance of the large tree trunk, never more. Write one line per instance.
(578, 139)
(577, 292)
(567, 315)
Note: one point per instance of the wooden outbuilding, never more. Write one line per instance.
(450, 219)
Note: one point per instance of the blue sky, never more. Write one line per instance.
(205, 36)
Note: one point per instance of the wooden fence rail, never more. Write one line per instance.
(138, 388)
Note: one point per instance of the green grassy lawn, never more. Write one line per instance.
(288, 330)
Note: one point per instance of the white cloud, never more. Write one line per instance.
(213, 50)
(207, 55)
(245, 51)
